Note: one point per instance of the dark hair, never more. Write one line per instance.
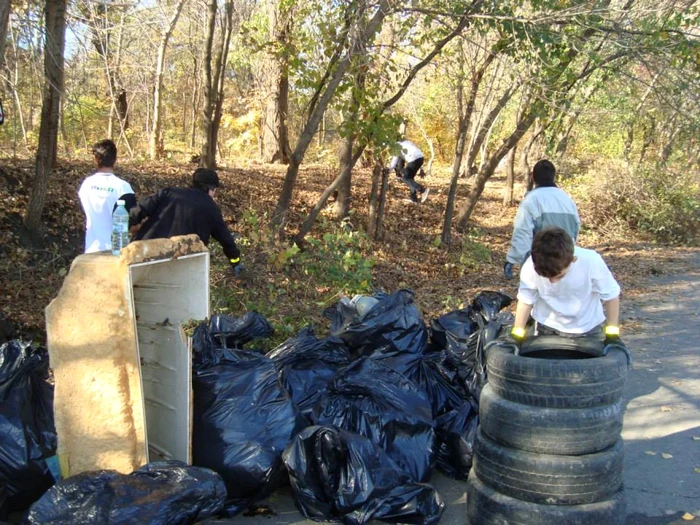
(552, 251)
(106, 153)
(205, 179)
(544, 173)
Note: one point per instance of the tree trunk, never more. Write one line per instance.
(155, 144)
(5, 9)
(208, 156)
(48, 131)
(489, 167)
(342, 203)
(510, 177)
(524, 156)
(648, 132)
(345, 164)
(510, 160)
(309, 222)
(463, 123)
(220, 78)
(318, 107)
(374, 196)
(275, 135)
(380, 187)
(487, 125)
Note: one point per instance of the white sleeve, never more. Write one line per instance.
(527, 292)
(126, 188)
(393, 163)
(603, 281)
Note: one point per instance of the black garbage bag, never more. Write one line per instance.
(340, 475)
(456, 431)
(464, 333)
(234, 332)
(27, 432)
(394, 320)
(372, 400)
(167, 493)
(243, 420)
(440, 385)
(306, 366)
(458, 331)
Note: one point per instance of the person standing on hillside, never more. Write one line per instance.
(406, 165)
(544, 206)
(98, 196)
(184, 211)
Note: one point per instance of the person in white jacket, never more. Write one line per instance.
(545, 206)
(407, 164)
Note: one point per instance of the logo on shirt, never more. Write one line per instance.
(102, 188)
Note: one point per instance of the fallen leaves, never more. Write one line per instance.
(665, 455)
(688, 516)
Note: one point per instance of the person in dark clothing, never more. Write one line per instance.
(184, 211)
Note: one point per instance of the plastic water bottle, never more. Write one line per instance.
(120, 228)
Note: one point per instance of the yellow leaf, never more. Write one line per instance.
(688, 516)
(696, 438)
(697, 470)
(666, 456)
(650, 453)
(666, 409)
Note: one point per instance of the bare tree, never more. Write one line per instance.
(214, 79)
(464, 115)
(155, 145)
(337, 67)
(4, 22)
(274, 133)
(55, 15)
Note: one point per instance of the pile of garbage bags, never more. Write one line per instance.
(27, 434)
(358, 421)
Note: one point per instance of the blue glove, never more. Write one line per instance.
(508, 270)
(238, 270)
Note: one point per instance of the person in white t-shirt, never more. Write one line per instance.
(98, 196)
(407, 164)
(568, 291)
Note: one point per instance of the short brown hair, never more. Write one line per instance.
(552, 252)
(105, 152)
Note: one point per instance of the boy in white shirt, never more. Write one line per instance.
(569, 291)
(98, 196)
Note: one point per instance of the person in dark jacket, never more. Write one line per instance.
(184, 211)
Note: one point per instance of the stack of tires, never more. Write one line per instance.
(548, 451)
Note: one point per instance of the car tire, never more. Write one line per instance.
(558, 431)
(549, 479)
(574, 379)
(486, 506)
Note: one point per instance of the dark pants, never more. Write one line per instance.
(408, 175)
(540, 329)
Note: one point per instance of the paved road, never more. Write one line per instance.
(662, 416)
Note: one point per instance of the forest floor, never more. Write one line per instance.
(293, 289)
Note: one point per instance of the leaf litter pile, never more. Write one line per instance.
(32, 267)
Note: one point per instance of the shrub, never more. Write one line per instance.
(656, 202)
